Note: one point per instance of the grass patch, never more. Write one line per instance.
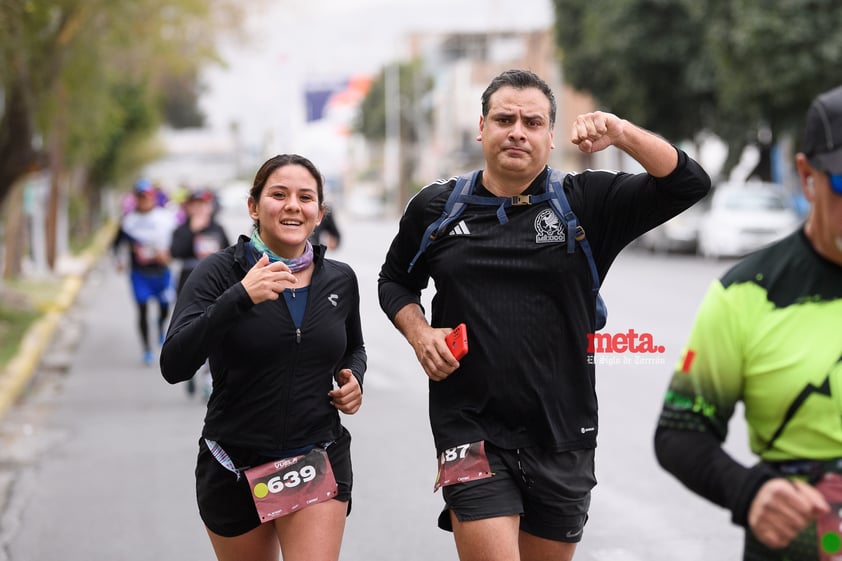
(21, 304)
(13, 326)
(24, 301)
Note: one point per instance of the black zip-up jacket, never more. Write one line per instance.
(528, 377)
(270, 380)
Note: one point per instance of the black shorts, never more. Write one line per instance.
(225, 503)
(551, 491)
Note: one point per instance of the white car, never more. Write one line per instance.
(745, 217)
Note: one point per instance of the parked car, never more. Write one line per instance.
(744, 217)
(679, 234)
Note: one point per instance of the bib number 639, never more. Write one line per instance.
(292, 478)
(284, 486)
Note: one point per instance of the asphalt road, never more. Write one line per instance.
(96, 462)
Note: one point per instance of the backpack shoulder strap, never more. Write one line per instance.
(452, 209)
(576, 233)
(559, 204)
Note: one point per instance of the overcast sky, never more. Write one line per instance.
(291, 43)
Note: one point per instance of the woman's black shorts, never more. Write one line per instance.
(225, 503)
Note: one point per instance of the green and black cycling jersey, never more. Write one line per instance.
(768, 334)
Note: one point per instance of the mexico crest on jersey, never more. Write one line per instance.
(548, 228)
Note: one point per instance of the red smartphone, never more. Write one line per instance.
(457, 341)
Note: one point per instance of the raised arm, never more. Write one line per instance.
(598, 130)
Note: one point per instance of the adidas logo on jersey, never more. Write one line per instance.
(461, 229)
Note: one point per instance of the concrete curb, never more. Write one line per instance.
(15, 377)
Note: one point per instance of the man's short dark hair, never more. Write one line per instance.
(519, 79)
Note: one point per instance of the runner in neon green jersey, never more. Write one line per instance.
(769, 334)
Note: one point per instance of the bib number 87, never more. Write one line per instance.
(290, 479)
(455, 453)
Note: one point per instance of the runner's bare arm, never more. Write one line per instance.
(427, 342)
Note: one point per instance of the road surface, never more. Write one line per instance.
(96, 462)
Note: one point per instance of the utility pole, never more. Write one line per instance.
(392, 145)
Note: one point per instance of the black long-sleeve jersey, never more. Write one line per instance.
(270, 378)
(528, 378)
(191, 247)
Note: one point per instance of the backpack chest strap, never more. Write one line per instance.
(502, 203)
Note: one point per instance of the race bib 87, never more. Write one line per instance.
(466, 462)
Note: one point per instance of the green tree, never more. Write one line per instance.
(84, 84)
(181, 100)
(745, 70)
(771, 59)
(414, 87)
(640, 59)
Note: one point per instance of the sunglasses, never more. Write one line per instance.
(835, 179)
(835, 183)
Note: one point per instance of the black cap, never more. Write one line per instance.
(823, 132)
(205, 196)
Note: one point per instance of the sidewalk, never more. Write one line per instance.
(18, 372)
(97, 461)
